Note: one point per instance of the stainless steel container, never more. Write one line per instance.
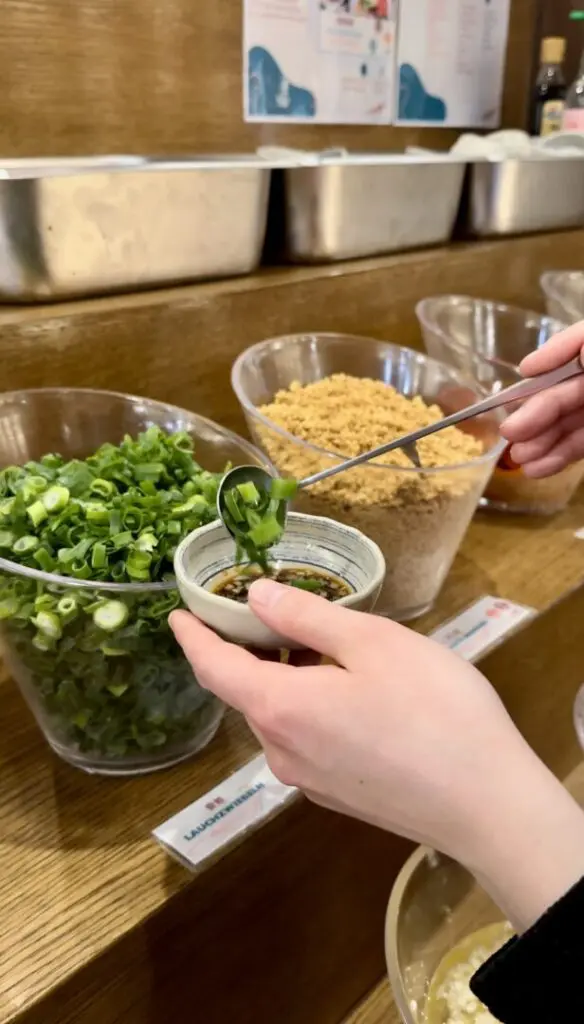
(515, 197)
(71, 229)
(364, 205)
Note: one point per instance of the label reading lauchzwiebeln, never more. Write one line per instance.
(482, 626)
(225, 814)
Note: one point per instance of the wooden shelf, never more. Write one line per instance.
(78, 869)
(98, 925)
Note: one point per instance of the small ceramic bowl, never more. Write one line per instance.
(203, 557)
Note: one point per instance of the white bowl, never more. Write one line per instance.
(207, 553)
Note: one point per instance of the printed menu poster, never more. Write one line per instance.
(451, 62)
(322, 61)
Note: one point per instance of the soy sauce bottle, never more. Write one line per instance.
(550, 88)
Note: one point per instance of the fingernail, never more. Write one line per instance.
(514, 418)
(266, 592)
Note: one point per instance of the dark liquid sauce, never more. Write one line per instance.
(235, 583)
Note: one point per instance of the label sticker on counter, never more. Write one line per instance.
(225, 814)
(482, 626)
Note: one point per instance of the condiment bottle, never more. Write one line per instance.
(573, 119)
(550, 88)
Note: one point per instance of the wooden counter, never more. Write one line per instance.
(98, 925)
(81, 880)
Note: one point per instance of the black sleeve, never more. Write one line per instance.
(537, 978)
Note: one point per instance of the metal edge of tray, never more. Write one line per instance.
(523, 196)
(70, 167)
(39, 262)
(319, 204)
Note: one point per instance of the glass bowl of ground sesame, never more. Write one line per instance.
(313, 399)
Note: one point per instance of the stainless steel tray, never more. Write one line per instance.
(370, 204)
(73, 228)
(516, 197)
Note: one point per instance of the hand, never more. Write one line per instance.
(547, 432)
(400, 733)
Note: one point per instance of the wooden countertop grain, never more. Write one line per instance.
(99, 926)
(78, 868)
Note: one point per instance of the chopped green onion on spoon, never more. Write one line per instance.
(256, 517)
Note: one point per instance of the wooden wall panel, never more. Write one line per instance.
(163, 76)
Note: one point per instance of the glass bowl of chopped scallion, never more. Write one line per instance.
(96, 491)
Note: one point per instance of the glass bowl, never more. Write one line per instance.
(564, 294)
(417, 517)
(479, 337)
(435, 903)
(488, 340)
(117, 704)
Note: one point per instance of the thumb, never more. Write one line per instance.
(320, 625)
(556, 352)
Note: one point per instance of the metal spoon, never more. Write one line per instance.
(516, 393)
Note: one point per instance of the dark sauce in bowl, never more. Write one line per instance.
(235, 583)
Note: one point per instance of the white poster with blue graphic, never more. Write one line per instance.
(451, 62)
(321, 61)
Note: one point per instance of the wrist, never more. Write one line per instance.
(527, 846)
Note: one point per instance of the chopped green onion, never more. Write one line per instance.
(283, 488)
(249, 493)
(195, 503)
(111, 616)
(24, 545)
(42, 642)
(266, 533)
(96, 512)
(37, 513)
(49, 625)
(103, 488)
(138, 565)
(55, 499)
(99, 556)
(146, 542)
(107, 672)
(9, 607)
(44, 560)
(255, 516)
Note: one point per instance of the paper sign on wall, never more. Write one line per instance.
(321, 61)
(451, 62)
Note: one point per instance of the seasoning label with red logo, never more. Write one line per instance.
(482, 626)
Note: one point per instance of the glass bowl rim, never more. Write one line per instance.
(490, 455)
(392, 916)
(547, 283)
(493, 304)
(15, 569)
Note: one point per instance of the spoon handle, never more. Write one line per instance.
(516, 393)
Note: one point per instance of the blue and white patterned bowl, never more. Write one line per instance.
(207, 553)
